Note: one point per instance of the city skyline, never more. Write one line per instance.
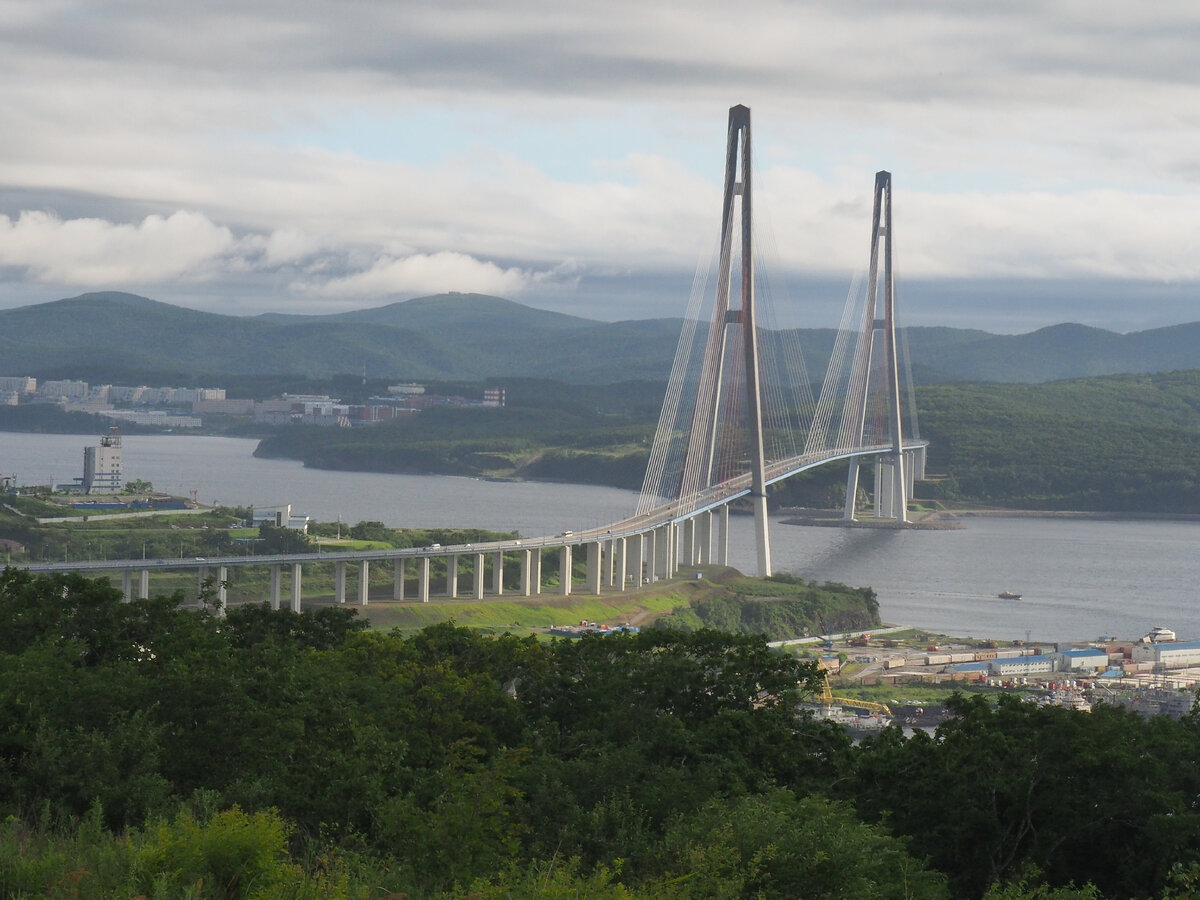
(322, 157)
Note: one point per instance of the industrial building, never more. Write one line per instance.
(1168, 654)
(1087, 659)
(1022, 665)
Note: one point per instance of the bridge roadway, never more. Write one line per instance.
(641, 549)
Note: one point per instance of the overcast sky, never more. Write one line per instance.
(310, 156)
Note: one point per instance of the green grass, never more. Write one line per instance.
(521, 614)
(350, 544)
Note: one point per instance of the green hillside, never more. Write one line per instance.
(1127, 443)
(124, 338)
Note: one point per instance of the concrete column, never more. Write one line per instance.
(339, 581)
(525, 586)
(452, 575)
(536, 575)
(274, 591)
(645, 562)
(201, 574)
(704, 538)
(609, 563)
(851, 491)
(364, 582)
(878, 488)
(687, 541)
(664, 550)
(899, 490)
(398, 578)
(423, 579)
(222, 591)
(564, 570)
(127, 584)
(478, 586)
(593, 567)
(634, 568)
(144, 584)
(674, 546)
(295, 587)
(620, 563)
(722, 556)
(498, 573)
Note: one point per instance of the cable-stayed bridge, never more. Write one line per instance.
(740, 413)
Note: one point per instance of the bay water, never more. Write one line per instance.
(1079, 578)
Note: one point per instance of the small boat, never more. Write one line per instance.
(1008, 595)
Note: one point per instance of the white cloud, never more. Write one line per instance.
(426, 274)
(100, 253)
(372, 149)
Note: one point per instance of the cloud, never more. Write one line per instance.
(96, 252)
(426, 274)
(322, 151)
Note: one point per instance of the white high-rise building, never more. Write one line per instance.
(102, 465)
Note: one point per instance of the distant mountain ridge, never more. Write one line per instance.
(475, 336)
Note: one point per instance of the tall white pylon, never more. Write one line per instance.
(737, 159)
(894, 506)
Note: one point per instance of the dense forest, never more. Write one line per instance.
(150, 751)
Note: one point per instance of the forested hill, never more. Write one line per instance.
(123, 338)
(1119, 443)
(1127, 443)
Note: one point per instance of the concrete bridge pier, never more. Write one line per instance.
(704, 538)
(478, 585)
(669, 550)
(222, 589)
(564, 570)
(423, 579)
(645, 568)
(918, 466)
(593, 567)
(398, 578)
(536, 574)
(339, 581)
(620, 571)
(274, 589)
(607, 554)
(452, 576)
(851, 491)
(636, 553)
(295, 587)
(687, 542)
(722, 556)
(664, 543)
(524, 585)
(498, 573)
(144, 584)
(364, 582)
(127, 584)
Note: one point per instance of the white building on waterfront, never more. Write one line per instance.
(1168, 654)
(102, 465)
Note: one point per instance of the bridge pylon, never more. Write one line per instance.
(737, 160)
(893, 484)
